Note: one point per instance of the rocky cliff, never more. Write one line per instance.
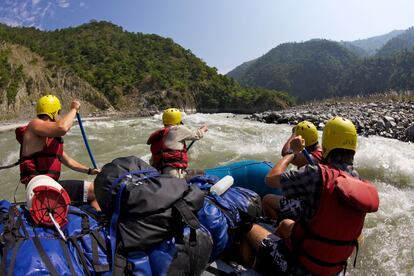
(26, 77)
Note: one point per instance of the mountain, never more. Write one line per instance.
(358, 51)
(403, 41)
(379, 74)
(370, 46)
(307, 70)
(24, 77)
(241, 69)
(318, 69)
(135, 71)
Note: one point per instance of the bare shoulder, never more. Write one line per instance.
(40, 127)
(35, 123)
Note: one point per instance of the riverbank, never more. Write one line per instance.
(12, 125)
(387, 119)
(9, 125)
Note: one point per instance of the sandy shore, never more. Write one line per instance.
(12, 125)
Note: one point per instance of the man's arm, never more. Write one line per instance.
(299, 160)
(273, 177)
(286, 147)
(76, 166)
(189, 135)
(55, 129)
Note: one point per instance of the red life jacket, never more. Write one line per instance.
(164, 157)
(317, 154)
(325, 243)
(45, 162)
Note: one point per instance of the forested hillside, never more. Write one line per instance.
(373, 75)
(371, 45)
(135, 70)
(404, 41)
(319, 69)
(307, 70)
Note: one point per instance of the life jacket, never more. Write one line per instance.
(45, 162)
(317, 154)
(164, 157)
(324, 244)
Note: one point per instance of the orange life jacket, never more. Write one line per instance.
(45, 162)
(324, 244)
(164, 157)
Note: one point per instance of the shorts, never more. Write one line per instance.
(277, 259)
(77, 190)
(290, 208)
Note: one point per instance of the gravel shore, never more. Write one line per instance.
(386, 119)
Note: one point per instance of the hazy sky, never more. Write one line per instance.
(224, 33)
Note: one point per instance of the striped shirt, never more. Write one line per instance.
(305, 185)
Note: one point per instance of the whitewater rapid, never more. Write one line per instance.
(389, 164)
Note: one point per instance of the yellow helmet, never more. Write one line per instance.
(171, 116)
(308, 132)
(48, 105)
(339, 133)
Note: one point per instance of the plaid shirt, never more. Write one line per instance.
(305, 185)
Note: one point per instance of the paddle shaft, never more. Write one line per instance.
(85, 140)
(307, 156)
(190, 145)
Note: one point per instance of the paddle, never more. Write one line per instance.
(190, 145)
(307, 156)
(85, 140)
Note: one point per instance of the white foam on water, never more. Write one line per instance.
(93, 137)
(10, 158)
(157, 117)
(389, 239)
(387, 159)
(146, 157)
(100, 124)
(389, 233)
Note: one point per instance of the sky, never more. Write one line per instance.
(223, 33)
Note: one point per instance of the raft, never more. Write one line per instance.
(249, 174)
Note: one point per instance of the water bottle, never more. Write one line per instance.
(222, 185)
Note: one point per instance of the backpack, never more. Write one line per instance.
(170, 257)
(145, 208)
(224, 216)
(28, 249)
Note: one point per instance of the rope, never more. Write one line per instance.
(10, 166)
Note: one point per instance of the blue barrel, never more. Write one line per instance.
(249, 174)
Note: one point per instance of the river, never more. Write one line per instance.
(389, 164)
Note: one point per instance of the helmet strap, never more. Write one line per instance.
(44, 117)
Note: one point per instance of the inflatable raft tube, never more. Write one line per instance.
(249, 174)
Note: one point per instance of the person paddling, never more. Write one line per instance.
(168, 147)
(274, 205)
(335, 203)
(309, 133)
(41, 150)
